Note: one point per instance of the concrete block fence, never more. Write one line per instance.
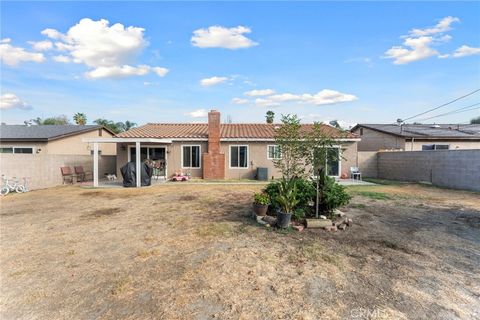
(44, 170)
(456, 169)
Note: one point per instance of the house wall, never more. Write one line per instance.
(373, 140)
(72, 145)
(75, 145)
(458, 169)
(173, 155)
(454, 144)
(43, 170)
(257, 157)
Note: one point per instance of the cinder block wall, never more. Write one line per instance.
(457, 169)
(44, 169)
(368, 163)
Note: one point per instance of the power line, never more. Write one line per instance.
(460, 110)
(443, 105)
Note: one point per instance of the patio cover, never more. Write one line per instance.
(137, 141)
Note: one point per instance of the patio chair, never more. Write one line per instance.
(355, 173)
(67, 174)
(82, 174)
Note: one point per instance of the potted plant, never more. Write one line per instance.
(260, 203)
(287, 199)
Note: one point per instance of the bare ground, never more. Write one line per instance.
(192, 252)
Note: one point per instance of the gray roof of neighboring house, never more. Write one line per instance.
(427, 131)
(43, 132)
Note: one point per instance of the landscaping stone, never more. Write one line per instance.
(260, 220)
(330, 228)
(339, 213)
(299, 228)
(323, 217)
(269, 219)
(343, 226)
(349, 222)
(318, 223)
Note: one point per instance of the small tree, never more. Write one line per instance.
(307, 151)
(80, 118)
(475, 120)
(270, 116)
(57, 120)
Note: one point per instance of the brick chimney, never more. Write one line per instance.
(213, 161)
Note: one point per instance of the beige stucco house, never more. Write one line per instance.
(52, 139)
(218, 151)
(38, 152)
(417, 137)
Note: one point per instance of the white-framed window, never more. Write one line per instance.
(191, 156)
(26, 150)
(273, 152)
(435, 147)
(239, 156)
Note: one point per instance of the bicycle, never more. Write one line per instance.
(7, 187)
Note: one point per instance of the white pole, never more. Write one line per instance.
(138, 161)
(95, 165)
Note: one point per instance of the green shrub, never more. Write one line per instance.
(331, 195)
(305, 194)
(261, 198)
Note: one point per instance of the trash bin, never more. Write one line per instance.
(262, 174)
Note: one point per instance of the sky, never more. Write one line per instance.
(356, 62)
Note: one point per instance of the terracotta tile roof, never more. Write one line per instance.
(234, 130)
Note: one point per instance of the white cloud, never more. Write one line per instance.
(259, 93)
(266, 102)
(11, 101)
(327, 96)
(53, 34)
(323, 97)
(12, 56)
(161, 72)
(212, 81)
(419, 49)
(200, 113)
(442, 26)
(221, 37)
(418, 43)
(110, 51)
(239, 101)
(117, 72)
(464, 51)
(62, 58)
(41, 45)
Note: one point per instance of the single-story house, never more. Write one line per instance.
(52, 139)
(215, 150)
(39, 151)
(416, 137)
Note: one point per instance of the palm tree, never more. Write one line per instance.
(80, 118)
(270, 116)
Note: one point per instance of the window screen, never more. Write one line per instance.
(238, 156)
(191, 156)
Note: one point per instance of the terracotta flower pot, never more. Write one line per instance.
(260, 209)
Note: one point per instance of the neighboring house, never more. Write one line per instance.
(219, 151)
(38, 152)
(52, 139)
(415, 137)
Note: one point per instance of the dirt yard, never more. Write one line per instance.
(189, 251)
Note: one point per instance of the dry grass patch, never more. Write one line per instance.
(216, 229)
